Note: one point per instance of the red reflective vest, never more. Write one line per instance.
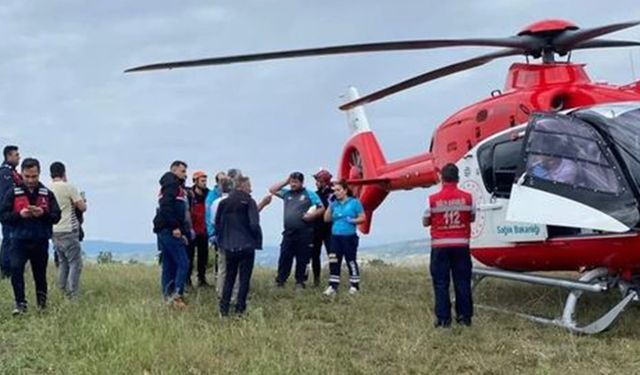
(21, 199)
(17, 179)
(450, 211)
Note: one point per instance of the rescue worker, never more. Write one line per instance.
(171, 227)
(197, 197)
(321, 229)
(450, 214)
(31, 210)
(345, 213)
(301, 208)
(9, 178)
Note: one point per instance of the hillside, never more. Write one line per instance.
(405, 252)
(120, 326)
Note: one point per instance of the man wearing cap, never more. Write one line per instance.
(321, 229)
(302, 208)
(450, 214)
(197, 200)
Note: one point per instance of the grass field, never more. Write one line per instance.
(120, 326)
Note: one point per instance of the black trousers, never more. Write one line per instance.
(37, 253)
(5, 260)
(238, 263)
(295, 245)
(316, 252)
(447, 263)
(344, 247)
(201, 244)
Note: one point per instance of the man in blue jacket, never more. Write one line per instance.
(31, 210)
(171, 227)
(9, 178)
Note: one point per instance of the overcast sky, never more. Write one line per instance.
(63, 95)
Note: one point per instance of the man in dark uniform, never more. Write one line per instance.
(449, 214)
(9, 178)
(301, 208)
(321, 229)
(31, 210)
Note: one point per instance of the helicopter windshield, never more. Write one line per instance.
(576, 157)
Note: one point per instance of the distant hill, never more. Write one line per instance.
(406, 252)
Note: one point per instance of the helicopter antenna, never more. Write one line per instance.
(633, 68)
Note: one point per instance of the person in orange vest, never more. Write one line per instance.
(450, 214)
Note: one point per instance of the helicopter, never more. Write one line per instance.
(552, 161)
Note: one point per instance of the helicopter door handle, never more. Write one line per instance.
(489, 206)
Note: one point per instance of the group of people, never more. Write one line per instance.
(226, 218)
(190, 221)
(32, 214)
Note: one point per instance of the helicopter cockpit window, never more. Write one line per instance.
(571, 157)
(567, 151)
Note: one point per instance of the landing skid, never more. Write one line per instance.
(595, 281)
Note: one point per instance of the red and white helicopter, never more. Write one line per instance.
(553, 161)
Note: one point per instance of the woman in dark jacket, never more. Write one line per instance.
(237, 226)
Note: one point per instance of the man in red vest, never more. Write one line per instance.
(197, 197)
(450, 214)
(31, 210)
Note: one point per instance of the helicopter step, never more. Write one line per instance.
(594, 281)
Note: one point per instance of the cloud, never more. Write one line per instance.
(64, 97)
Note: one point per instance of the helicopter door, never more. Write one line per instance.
(499, 161)
(570, 178)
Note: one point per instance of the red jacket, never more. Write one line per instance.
(198, 211)
(451, 211)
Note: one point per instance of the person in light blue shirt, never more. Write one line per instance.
(346, 213)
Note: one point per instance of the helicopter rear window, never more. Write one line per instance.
(499, 163)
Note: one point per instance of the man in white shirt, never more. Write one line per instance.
(66, 234)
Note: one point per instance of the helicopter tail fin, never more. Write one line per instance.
(362, 161)
(370, 176)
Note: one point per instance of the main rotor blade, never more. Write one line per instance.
(521, 42)
(569, 39)
(606, 43)
(430, 76)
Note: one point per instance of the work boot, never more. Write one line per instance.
(203, 284)
(178, 303)
(462, 320)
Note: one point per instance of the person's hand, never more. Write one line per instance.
(307, 217)
(25, 213)
(37, 211)
(177, 233)
(351, 220)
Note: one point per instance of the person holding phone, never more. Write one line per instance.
(31, 210)
(345, 213)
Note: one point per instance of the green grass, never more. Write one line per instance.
(120, 326)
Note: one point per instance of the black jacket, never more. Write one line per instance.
(172, 201)
(31, 228)
(237, 223)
